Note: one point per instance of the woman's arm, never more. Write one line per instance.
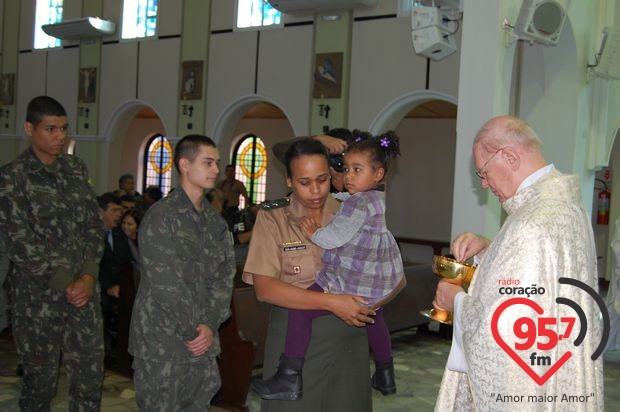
(351, 309)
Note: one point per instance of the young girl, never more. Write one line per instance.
(361, 259)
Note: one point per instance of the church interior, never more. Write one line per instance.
(302, 68)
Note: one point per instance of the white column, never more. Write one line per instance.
(484, 91)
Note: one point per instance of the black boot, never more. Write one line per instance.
(383, 378)
(285, 385)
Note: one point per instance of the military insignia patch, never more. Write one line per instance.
(275, 204)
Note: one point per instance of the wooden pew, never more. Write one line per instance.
(235, 363)
(128, 289)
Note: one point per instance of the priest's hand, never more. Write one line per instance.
(467, 245)
(444, 296)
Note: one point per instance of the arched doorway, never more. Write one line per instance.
(420, 185)
(126, 136)
(261, 117)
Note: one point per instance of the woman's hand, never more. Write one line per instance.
(351, 309)
(467, 245)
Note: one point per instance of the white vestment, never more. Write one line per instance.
(613, 294)
(547, 235)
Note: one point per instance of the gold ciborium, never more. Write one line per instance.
(452, 271)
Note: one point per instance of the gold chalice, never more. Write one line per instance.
(450, 270)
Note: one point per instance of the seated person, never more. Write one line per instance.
(128, 202)
(151, 195)
(116, 254)
(126, 184)
(130, 223)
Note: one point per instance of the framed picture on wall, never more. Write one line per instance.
(7, 89)
(87, 89)
(327, 75)
(191, 80)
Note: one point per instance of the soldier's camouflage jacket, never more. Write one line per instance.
(187, 264)
(53, 229)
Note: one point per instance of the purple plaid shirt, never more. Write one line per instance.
(361, 256)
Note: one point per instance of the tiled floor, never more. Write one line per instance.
(419, 362)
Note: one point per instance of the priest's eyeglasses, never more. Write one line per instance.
(482, 172)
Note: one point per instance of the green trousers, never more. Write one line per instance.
(336, 373)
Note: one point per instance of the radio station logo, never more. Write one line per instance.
(536, 337)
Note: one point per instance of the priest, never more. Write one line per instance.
(514, 346)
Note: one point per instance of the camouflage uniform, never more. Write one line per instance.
(4, 272)
(53, 235)
(188, 265)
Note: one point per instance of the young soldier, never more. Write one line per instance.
(185, 289)
(53, 237)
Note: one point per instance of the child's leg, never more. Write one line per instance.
(379, 338)
(299, 329)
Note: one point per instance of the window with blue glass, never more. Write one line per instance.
(250, 160)
(47, 12)
(139, 18)
(158, 162)
(256, 14)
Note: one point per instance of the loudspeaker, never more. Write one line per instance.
(540, 21)
(431, 42)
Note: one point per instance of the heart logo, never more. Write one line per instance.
(540, 380)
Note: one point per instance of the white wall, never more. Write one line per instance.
(231, 72)
(119, 68)
(285, 72)
(419, 185)
(383, 67)
(158, 78)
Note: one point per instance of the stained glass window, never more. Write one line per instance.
(158, 162)
(47, 12)
(256, 13)
(139, 18)
(250, 161)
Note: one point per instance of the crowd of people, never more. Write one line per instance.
(321, 256)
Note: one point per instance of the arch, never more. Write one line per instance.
(115, 129)
(613, 140)
(123, 115)
(389, 117)
(393, 116)
(228, 119)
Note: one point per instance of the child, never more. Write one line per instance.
(361, 258)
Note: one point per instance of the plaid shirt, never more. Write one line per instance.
(361, 256)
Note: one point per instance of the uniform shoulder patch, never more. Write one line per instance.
(275, 204)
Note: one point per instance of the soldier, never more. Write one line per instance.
(53, 237)
(4, 272)
(184, 295)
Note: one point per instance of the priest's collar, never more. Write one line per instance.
(534, 177)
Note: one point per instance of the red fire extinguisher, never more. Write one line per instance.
(602, 216)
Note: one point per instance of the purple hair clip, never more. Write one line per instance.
(384, 142)
(358, 138)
